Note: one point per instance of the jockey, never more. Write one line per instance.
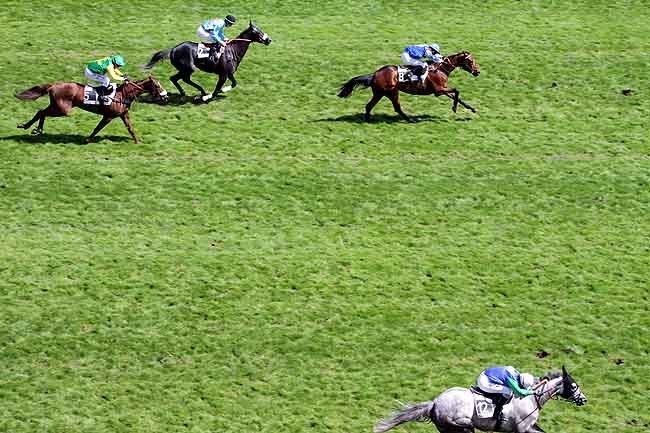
(505, 381)
(103, 70)
(413, 55)
(211, 31)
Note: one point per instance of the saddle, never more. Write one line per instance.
(410, 73)
(488, 405)
(97, 95)
(211, 50)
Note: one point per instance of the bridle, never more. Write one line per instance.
(538, 396)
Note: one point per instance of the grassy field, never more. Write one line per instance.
(269, 263)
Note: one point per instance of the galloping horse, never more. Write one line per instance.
(385, 82)
(184, 58)
(65, 96)
(453, 411)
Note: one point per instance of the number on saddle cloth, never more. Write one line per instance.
(93, 97)
(203, 51)
(407, 74)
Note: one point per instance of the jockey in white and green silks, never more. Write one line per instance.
(103, 70)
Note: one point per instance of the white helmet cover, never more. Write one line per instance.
(526, 380)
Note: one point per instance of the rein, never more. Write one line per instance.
(238, 39)
(121, 101)
(538, 396)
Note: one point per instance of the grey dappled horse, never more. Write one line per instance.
(453, 410)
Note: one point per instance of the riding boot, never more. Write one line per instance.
(500, 401)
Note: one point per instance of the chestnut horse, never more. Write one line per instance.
(65, 96)
(384, 82)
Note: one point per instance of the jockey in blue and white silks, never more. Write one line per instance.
(413, 55)
(211, 31)
(506, 381)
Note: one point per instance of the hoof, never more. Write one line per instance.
(37, 131)
(206, 98)
(21, 126)
(226, 89)
(88, 140)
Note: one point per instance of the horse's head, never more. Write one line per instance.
(255, 34)
(570, 389)
(466, 61)
(153, 86)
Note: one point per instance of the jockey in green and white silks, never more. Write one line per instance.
(413, 55)
(103, 70)
(211, 31)
(506, 381)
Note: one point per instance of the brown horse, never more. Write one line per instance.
(385, 82)
(65, 96)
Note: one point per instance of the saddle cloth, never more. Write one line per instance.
(203, 52)
(484, 406)
(91, 97)
(405, 75)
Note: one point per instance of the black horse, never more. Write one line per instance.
(185, 60)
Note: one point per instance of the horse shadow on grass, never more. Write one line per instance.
(74, 139)
(176, 100)
(388, 118)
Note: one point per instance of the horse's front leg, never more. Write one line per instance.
(464, 104)
(233, 83)
(217, 89)
(102, 123)
(535, 428)
(129, 126)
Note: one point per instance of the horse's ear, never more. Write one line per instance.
(250, 23)
(564, 372)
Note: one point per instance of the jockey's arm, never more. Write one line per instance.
(114, 74)
(521, 392)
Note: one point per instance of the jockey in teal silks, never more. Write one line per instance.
(413, 55)
(211, 31)
(505, 381)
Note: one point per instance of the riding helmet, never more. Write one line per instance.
(231, 19)
(118, 60)
(435, 47)
(526, 380)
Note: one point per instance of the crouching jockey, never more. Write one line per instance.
(103, 70)
(211, 32)
(505, 381)
(414, 55)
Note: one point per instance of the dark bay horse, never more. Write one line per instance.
(184, 58)
(65, 96)
(385, 82)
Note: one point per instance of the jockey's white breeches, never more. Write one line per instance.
(204, 35)
(101, 79)
(411, 61)
(484, 383)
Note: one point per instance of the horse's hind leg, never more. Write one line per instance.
(174, 79)
(52, 110)
(37, 116)
(394, 98)
(186, 79)
(376, 96)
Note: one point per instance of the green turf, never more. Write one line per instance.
(269, 263)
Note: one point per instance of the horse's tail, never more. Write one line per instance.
(160, 55)
(33, 93)
(419, 412)
(361, 80)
